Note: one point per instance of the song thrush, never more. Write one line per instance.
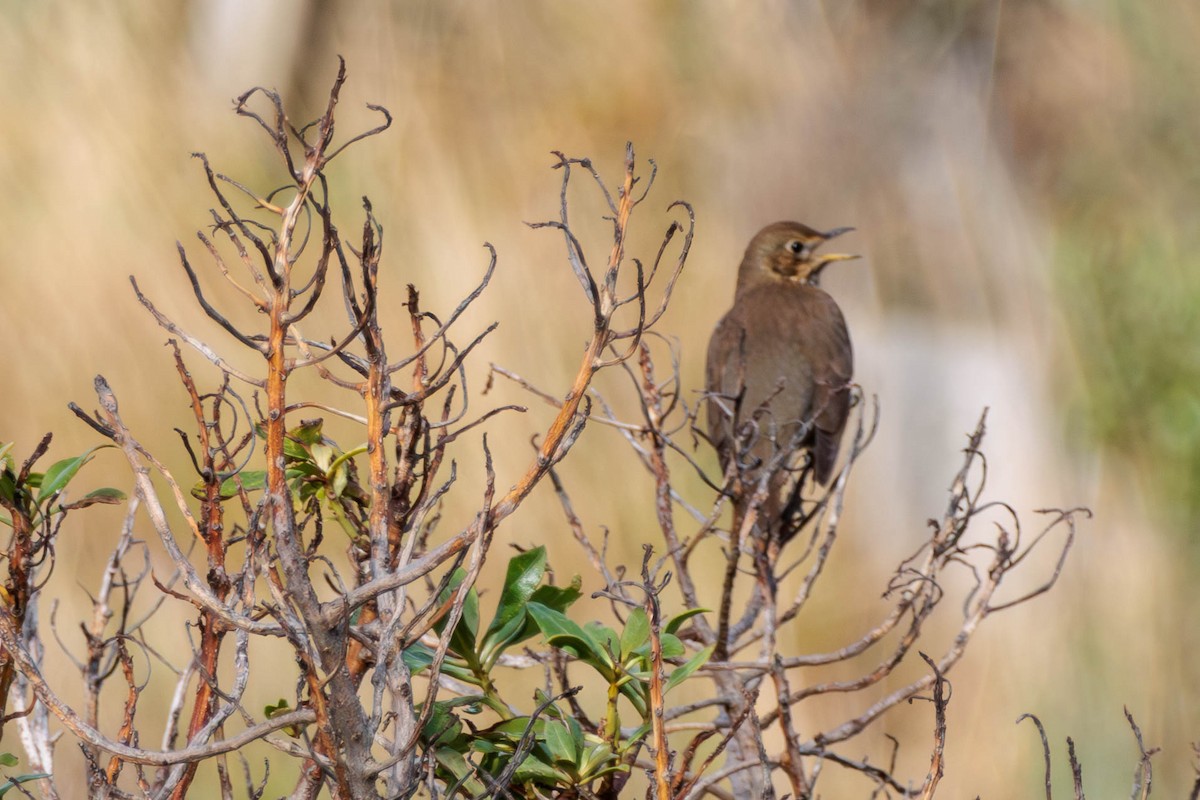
(779, 367)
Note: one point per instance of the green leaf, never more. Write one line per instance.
(8, 485)
(274, 709)
(542, 699)
(419, 656)
(307, 432)
(594, 761)
(675, 622)
(461, 770)
(525, 572)
(322, 455)
(61, 472)
(106, 495)
(575, 728)
(682, 673)
(639, 733)
(8, 760)
(294, 451)
(564, 633)
(557, 598)
(671, 647)
(606, 637)
(21, 779)
(560, 743)
(513, 729)
(636, 633)
(462, 641)
(251, 479)
(534, 770)
(443, 727)
(296, 441)
(341, 477)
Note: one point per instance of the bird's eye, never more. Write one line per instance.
(796, 246)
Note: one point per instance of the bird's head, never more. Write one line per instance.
(788, 250)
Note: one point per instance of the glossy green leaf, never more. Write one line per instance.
(558, 598)
(296, 440)
(560, 743)
(418, 657)
(563, 632)
(462, 641)
(322, 455)
(307, 432)
(60, 473)
(674, 623)
(607, 640)
(595, 760)
(11, 782)
(443, 727)
(552, 711)
(525, 572)
(341, 477)
(513, 729)
(454, 763)
(274, 709)
(682, 673)
(636, 632)
(251, 479)
(671, 647)
(294, 451)
(534, 770)
(639, 733)
(106, 496)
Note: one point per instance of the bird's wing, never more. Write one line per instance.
(831, 392)
(722, 381)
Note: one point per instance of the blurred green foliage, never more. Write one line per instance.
(1128, 266)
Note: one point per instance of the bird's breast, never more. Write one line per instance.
(777, 341)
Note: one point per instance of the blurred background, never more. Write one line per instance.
(1024, 177)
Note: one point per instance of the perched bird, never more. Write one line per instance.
(779, 367)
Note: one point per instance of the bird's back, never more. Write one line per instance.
(786, 343)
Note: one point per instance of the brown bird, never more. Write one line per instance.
(779, 367)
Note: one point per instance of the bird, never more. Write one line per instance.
(778, 371)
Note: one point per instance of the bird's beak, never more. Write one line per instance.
(828, 258)
(836, 232)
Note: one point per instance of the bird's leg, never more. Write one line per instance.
(766, 555)
(793, 519)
